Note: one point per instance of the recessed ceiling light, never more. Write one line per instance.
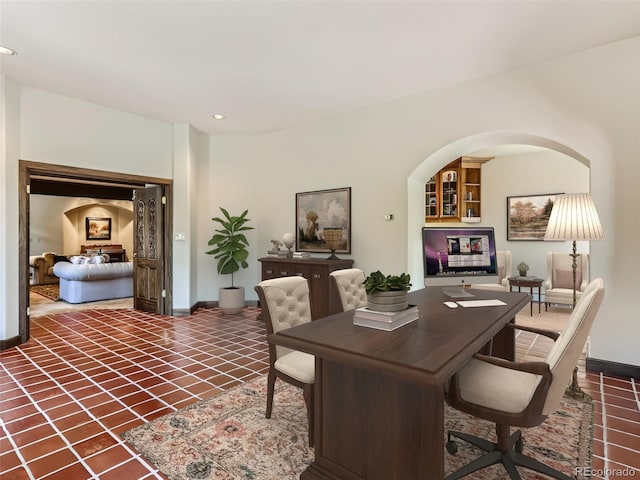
(218, 116)
(7, 51)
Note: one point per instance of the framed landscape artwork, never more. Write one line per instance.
(98, 228)
(528, 215)
(323, 212)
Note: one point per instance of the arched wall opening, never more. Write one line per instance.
(119, 211)
(486, 141)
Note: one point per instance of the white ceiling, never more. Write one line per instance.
(271, 65)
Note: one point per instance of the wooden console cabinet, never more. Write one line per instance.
(324, 300)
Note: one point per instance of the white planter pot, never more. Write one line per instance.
(388, 301)
(231, 300)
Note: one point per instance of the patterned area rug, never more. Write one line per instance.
(51, 291)
(226, 437)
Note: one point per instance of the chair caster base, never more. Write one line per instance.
(510, 458)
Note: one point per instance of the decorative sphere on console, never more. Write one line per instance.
(288, 239)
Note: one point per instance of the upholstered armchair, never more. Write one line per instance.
(43, 268)
(285, 304)
(503, 260)
(349, 284)
(558, 287)
(520, 394)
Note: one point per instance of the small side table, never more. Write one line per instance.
(531, 282)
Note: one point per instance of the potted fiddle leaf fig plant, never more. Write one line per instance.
(231, 252)
(387, 293)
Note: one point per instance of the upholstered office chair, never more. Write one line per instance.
(349, 284)
(285, 303)
(558, 287)
(503, 260)
(520, 394)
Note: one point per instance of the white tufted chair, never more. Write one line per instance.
(503, 261)
(285, 304)
(558, 287)
(520, 394)
(349, 283)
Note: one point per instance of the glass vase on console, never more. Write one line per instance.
(332, 239)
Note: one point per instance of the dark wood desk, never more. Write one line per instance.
(379, 395)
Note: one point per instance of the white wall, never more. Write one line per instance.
(387, 151)
(5, 330)
(200, 144)
(57, 224)
(190, 151)
(530, 174)
(65, 131)
(232, 178)
(585, 105)
(121, 214)
(46, 218)
(9, 152)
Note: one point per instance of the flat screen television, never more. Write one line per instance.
(459, 256)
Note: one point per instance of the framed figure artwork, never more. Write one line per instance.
(323, 221)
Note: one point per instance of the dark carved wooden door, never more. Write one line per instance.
(148, 256)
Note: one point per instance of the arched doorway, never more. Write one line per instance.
(441, 157)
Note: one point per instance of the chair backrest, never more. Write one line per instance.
(349, 283)
(503, 259)
(565, 353)
(285, 304)
(560, 271)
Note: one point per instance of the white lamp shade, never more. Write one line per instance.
(574, 217)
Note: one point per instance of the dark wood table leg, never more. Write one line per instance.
(539, 297)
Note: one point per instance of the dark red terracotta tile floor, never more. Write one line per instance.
(84, 377)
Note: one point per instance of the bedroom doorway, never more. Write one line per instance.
(35, 177)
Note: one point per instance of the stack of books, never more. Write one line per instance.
(301, 255)
(278, 253)
(385, 320)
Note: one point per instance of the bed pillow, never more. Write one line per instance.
(89, 259)
(60, 258)
(77, 259)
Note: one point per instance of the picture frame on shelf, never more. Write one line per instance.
(528, 216)
(320, 210)
(98, 228)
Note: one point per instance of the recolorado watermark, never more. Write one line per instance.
(590, 472)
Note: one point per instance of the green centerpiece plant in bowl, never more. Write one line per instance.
(387, 293)
(522, 268)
